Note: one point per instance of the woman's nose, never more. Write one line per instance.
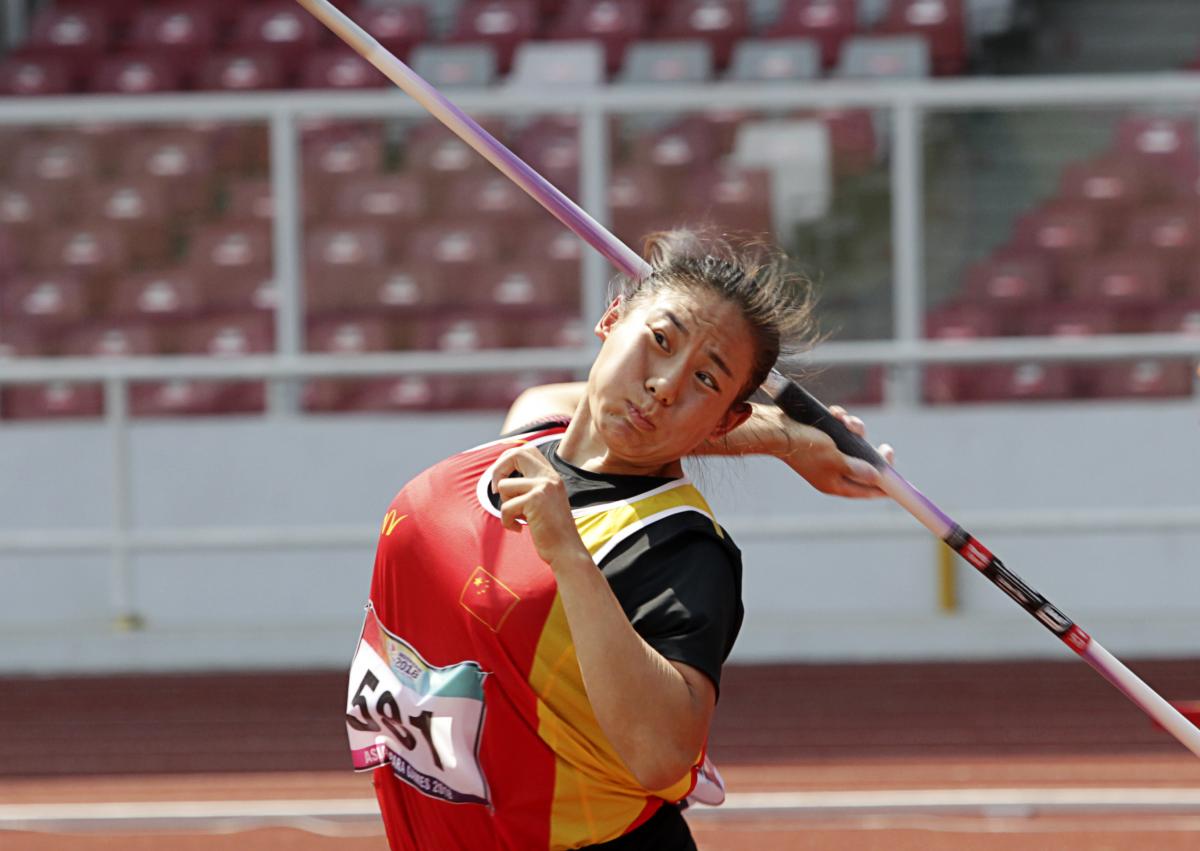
(662, 388)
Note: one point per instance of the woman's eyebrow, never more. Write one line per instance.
(716, 358)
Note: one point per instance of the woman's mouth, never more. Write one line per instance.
(640, 421)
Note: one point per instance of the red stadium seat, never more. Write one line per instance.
(338, 68)
(1007, 282)
(166, 294)
(492, 200)
(563, 331)
(56, 400)
(398, 27)
(281, 29)
(1028, 381)
(329, 161)
(241, 71)
(460, 333)
(138, 209)
(63, 164)
(117, 12)
(1108, 185)
(234, 249)
(1127, 280)
(112, 340)
(53, 298)
(720, 23)
(244, 292)
(852, 136)
(458, 249)
(180, 163)
(614, 23)
(1072, 320)
(250, 199)
(732, 199)
(95, 252)
(25, 210)
(503, 24)
(523, 287)
(403, 394)
(1165, 146)
(949, 383)
(551, 147)
(35, 76)
(337, 252)
(1062, 233)
(1148, 378)
(829, 22)
(394, 200)
(1181, 316)
(348, 335)
(77, 35)
(678, 150)
(941, 22)
(636, 201)
(552, 247)
(20, 343)
(1172, 233)
(397, 289)
(136, 74)
(438, 154)
(185, 30)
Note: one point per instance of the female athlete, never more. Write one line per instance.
(550, 611)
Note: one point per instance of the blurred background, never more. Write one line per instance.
(247, 289)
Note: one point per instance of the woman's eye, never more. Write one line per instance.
(660, 338)
(707, 379)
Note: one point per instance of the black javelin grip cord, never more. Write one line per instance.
(793, 399)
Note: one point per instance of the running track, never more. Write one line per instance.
(916, 756)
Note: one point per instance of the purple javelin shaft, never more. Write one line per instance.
(793, 399)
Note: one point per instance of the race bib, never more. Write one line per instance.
(423, 721)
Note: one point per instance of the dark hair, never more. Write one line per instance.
(776, 301)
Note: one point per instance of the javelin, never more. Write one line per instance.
(793, 399)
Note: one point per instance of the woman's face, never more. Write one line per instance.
(667, 376)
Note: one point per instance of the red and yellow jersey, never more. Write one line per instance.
(465, 694)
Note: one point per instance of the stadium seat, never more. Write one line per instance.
(118, 13)
(460, 251)
(524, 287)
(562, 331)
(1109, 185)
(501, 24)
(20, 343)
(1146, 378)
(852, 136)
(677, 150)
(447, 66)
(394, 200)
(330, 161)
(1062, 233)
(240, 71)
(25, 210)
(615, 24)
(338, 68)
(847, 385)
(439, 156)
(232, 249)
(399, 27)
(661, 63)
(157, 296)
(828, 22)
(78, 36)
(1180, 316)
(180, 163)
(461, 332)
(490, 199)
(281, 29)
(349, 334)
(951, 383)
(1172, 233)
(138, 208)
(557, 64)
(35, 76)
(112, 339)
(1165, 146)
(552, 247)
(404, 393)
(58, 399)
(731, 199)
(781, 60)
(96, 252)
(720, 23)
(249, 199)
(893, 57)
(340, 252)
(136, 74)
(184, 30)
(239, 292)
(550, 145)
(51, 298)
(637, 202)
(1009, 282)
(1120, 279)
(1026, 381)
(63, 164)
(1072, 320)
(941, 22)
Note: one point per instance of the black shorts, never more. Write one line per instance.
(666, 830)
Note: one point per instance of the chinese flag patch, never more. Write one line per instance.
(488, 599)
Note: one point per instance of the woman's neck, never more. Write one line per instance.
(583, 446)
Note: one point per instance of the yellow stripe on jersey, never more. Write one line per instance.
(596, 798)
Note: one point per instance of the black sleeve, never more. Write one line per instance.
(682, 595)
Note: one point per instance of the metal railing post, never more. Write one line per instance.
(121, 577)
(283, 396)
(907, 249)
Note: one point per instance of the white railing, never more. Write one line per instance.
(907, 103)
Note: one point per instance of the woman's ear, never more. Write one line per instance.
(734, 417)
(610, 318)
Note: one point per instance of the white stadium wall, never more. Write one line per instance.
(1097, 506)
